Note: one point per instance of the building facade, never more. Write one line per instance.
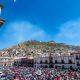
(6, 61)
(24, 61)
(70, 61)
(43, 61)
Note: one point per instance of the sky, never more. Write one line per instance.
(43, 20)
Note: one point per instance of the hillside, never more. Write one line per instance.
(31, 48)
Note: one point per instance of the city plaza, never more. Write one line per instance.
(39, 67)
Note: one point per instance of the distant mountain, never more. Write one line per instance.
(33, 47)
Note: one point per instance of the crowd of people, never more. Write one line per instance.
(23, 73)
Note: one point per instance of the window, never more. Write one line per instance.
(70, 62)
(51, 61)
(46, 61)
(76, 57)
(77, 63)
(56, 61)
(41, 62)
(62, 61)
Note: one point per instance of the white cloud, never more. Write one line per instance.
(69, 32)
(28, 31)
(21, 31)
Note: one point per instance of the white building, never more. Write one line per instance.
(6, 61)
(69, 61)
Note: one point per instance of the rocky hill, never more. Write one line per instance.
(33, 47)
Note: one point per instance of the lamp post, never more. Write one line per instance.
(1, 7)
(2, 21)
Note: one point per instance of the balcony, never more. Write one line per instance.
(78, 64)
(70, 62)
(41, 62)
(77, 57)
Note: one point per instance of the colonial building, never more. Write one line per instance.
(24, 61)
(44, 60)
(69, 61)
(6, 61)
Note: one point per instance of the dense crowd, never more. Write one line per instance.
(23, 73)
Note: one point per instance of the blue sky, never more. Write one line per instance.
(43, 20)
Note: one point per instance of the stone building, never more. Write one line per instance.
(6, 61)
(69, 61)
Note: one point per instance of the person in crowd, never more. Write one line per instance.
(23, 73)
